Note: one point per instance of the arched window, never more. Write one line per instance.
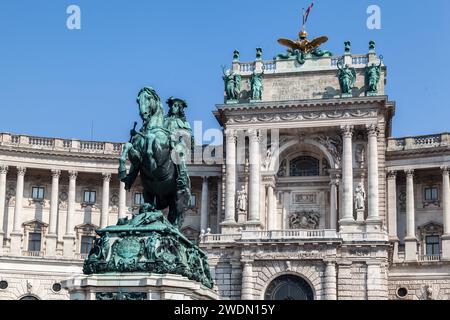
(289, 287)
(29, 297)
(304, 166)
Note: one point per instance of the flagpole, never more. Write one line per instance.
(303, 23)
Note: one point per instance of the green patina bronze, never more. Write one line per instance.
(150, 242)
(232, 84)
(373, 74)
(301, 57)
(256, 85)
(347, 47)
(347, 78)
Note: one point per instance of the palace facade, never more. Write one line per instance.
(315, 199)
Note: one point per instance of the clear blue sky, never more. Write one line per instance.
(55, 82)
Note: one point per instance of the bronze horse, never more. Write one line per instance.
(165, 183)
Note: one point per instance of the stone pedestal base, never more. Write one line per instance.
(253, 225)
(50, 245)
(360, 215)
(410, 249)
(135, 286)
(69, 246)
(446, 247)
(229, 227)
(16, 243)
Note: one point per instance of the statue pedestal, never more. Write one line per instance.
(136, 286)
(360, 215)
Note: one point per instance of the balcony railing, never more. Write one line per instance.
(55, 144)
(430, 258)
(419, 142)
(33, 253)
(273, 235)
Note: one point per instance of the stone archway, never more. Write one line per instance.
(289, 287)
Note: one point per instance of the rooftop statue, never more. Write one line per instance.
(232, 84)
(256, 86)
(150, 241)
(347, 78)
(373, 75)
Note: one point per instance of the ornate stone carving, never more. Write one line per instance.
(305, 198)
(106, 177)
(392, 174)
(360, 198)
(242, 200)
(372, 130)
(304, 220)
(21, 171)
(56, 174)
(73, 175)
(303, 116)
(3, 169)
(133, 296)
(334, 147)
(347, 131)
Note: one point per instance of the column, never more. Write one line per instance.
(219, 204)
(205, 205)
(271, 207)
(446, 212)
(334, 201)
(3, 173)
(286, 209)
(347, 176)
(392, 210)
(105, 200)
(16, 234)
(247, 281)
(376, 282)
(69, 237)
(262, 203)
(330, 285)
(54, 201)
(122, 201)
(373, 212)
(230, 203)
(52, 237)
(255, 177)
(410, 239)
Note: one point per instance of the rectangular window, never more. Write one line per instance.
(431, 194)
(37, 193)
(86, 244)
(90, 197)
(138, 199)
(433, 245)
(34, 242)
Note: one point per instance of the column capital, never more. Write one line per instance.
(4, 169)
(409, 173)
(73, 175)
(253, 135)
(392, 174)
(21, 171)
(372, 130)
(445, 170)
(205, 178)
(231, 135)
(347, 131)
(56, 174)
(335, 179)
(106, 176)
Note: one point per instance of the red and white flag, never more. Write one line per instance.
(307, 12)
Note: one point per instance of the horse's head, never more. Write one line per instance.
(149, 103)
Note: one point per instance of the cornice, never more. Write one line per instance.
(302, 104)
